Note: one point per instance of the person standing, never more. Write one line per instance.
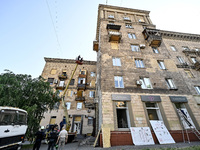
(52, 138)
(39, 137)
(62, 138)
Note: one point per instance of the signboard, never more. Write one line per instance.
(162, 134)
(150, 98)
(121, 97)
(141, 136)
(178, 99)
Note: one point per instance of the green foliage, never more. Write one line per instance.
(33, 95)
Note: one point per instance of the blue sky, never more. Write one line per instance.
(27, 33)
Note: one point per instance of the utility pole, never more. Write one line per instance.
(79, 61)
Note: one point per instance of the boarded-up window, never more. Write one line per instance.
(79, 93)
(53, 71)
(78, 118)
(92, 83)
(52, 120)
(114, 45)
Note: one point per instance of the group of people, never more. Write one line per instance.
(55, 138)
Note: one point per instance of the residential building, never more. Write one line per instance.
(144, 74)
(79, 98)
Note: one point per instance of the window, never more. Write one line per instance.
(161, 64)
(50, 80)
(155, 50)
(185, 48)
(90, 120)
(139, 63)
(128, 25)
(72, 82)
(189, 74)
(70, 93)
(81, 80)
(173, 48)
(131, 36)
(153, 111)
(111, 22)
(180, 59)
(193, 60)
(135, 48)
(83, 72)
(197, 88)
(61, 83)
(122, 114)
(53, 71)
(68, 105)
(92, 94)
(170, 84)
(146, 84)
(126, 18)
(119, 82)
(114, 45)
(79, 106)
(141, 20)
(92, 74)
(116, 62)
(111, 16)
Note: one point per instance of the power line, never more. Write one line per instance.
(54, 26)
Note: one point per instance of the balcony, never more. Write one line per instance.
(82, 75)
(60, 87)
(153, 37)
(80, 98)
(81, 86)
(96, 46)
(195, 52)
(114, 36)
(62, 76)
(113, 26)
(183, 65)
(197, 66)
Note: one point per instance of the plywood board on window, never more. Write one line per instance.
(53, 71)
(162, 134)
(106, 137)
(141, 136)
(114, 45)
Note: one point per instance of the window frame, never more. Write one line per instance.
(170, 83)
(117, 79)
(128, 25)
(139, 63)
(144, 83)
(180, 59)
(132, 36)
(92, 94)
(116, 61)
(135, 48)
(158, 112)
(161, 64)
(197, 88)
(155, 50)
(173, 48)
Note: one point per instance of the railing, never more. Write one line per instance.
(80, 98)
(62, 76)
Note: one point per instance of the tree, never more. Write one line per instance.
(33, 95)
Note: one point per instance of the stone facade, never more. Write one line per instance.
(61, 70)
(152, 69)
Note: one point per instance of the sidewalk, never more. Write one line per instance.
(76, 146)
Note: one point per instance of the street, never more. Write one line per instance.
(76, 146)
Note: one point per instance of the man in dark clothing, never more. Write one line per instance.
(52, 138)
(39, 137)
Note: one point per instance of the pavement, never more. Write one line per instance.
(76, 146)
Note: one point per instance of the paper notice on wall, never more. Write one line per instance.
(162, 134)
(141, 136)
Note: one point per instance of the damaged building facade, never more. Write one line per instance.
(144, 74)
(79, 98)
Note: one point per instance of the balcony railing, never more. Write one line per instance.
(113, 26)
(59, 86)
(114, 36)
(62, 76)
(153, 37)
(197, 66)
(81, 86)
(80, 98)
(82, 75)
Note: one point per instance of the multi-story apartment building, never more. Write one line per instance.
(79, 98)
(144, 74)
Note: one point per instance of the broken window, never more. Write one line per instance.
(153, 111)
(122, 114)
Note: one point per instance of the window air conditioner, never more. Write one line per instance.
(138, 82)
(142, 46)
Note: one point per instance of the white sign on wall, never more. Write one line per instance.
(141, 136)
(185, 112)
(162, 134)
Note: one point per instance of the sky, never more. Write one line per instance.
(33, 29)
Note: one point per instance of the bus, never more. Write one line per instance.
(13, 126)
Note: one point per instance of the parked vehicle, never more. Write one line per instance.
(13, 126)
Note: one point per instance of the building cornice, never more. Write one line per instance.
(180, 36)
(72, 61)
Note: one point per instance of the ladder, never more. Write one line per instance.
(183, 117)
